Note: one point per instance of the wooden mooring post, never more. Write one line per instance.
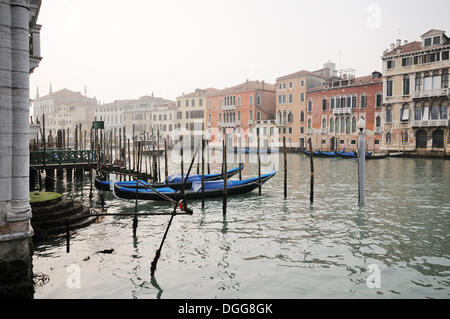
(311, 193)
(285, 167)
(224, 165)
(259, 169)
(203, 172)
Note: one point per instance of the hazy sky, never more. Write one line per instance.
(126, 49)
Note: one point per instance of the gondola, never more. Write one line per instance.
(328, 154)
(174, 181)
(351, 154)
(376, 156)
(212, 189)
(316, 153)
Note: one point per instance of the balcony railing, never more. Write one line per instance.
(431, 93)
(430, 123)
(342, 111)
(227, 125)
(280, 123)
(324, 130)
(378, 130)
(250, 122)
(309, 131)
(228, 108)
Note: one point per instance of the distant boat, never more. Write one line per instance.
(174, 181)
(212, 189)
(316, 153)
(377, 156)
(395, 154)
(351, 154)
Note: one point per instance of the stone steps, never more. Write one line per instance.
(51, 221)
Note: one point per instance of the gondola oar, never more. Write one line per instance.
(183, 208)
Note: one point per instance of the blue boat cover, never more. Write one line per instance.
(164, 190)
(215, 185)
(192, 178)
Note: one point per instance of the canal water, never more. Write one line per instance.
(269, 247)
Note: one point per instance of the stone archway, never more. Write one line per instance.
(421, 139)
(438, 138)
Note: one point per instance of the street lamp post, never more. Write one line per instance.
(362, 163)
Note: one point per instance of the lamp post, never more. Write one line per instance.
(361, 162)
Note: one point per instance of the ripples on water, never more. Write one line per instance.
(268, 247)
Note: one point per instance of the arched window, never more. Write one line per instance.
(338, 102)
(388, 138)
(354, 125)
(284, 117)
(290, 117)
(331, 125)
(417, 112)
(435, 111)
(349, 100)
(343, 101)
(378, 121)
(302, 117)
(405, 112)
(332, 102)
(324, 104)
(342, 125)
(347, 125)
(324, 123)
(309, 123)
(337, 125)
(444, 110)
(354, 101)
(389, 114)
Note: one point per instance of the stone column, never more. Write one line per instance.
(16, 276)
(5, 112)
(20, 52)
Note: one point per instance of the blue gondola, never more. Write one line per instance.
(350, 154)
(212, 189)
(174, 180)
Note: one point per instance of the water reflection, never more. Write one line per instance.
(319, 251)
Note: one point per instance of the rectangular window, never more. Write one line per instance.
(405, 114)
(389, 87)
(388, 115)
(259, 100)
(290, 98)
(284, 99)
(200, 102)
(445, 55)
(290, 85)
(416, 59)
(445, 81)
(302, 130)
(310, 106)
(178, 103)
(332, 103)
(379, 100)
(390, 64)
(427, 42)
(324, 105)
(363, 101)
(239, 101)
(251, 99)
(406, 61)
(302, 97)
(437, 40)
(303, 83)
(251, 116)
(193, 102)
(290, 130)
(405, 86)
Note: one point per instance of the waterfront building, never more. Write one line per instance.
(416, 94)
(238, 108)
(160, 117)
(334, 109)
(291, 108)
(191, 110)
(64, 109)
(19, 55)
(113, 114)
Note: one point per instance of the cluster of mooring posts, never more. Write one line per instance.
(114, 154)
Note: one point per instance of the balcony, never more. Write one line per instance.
(228, 108)
(342, 111)
(378, 130)
(209, 124)
(309, 131)
(250, 122)
(431, 93)
(324, 131)
(227, 125)
(430, 123)
(280, 123)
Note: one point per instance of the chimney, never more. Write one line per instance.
(405, 42)
(392, 47)
(152, 94)
(262, 86)
(398, 43)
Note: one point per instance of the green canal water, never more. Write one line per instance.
(269, 247)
